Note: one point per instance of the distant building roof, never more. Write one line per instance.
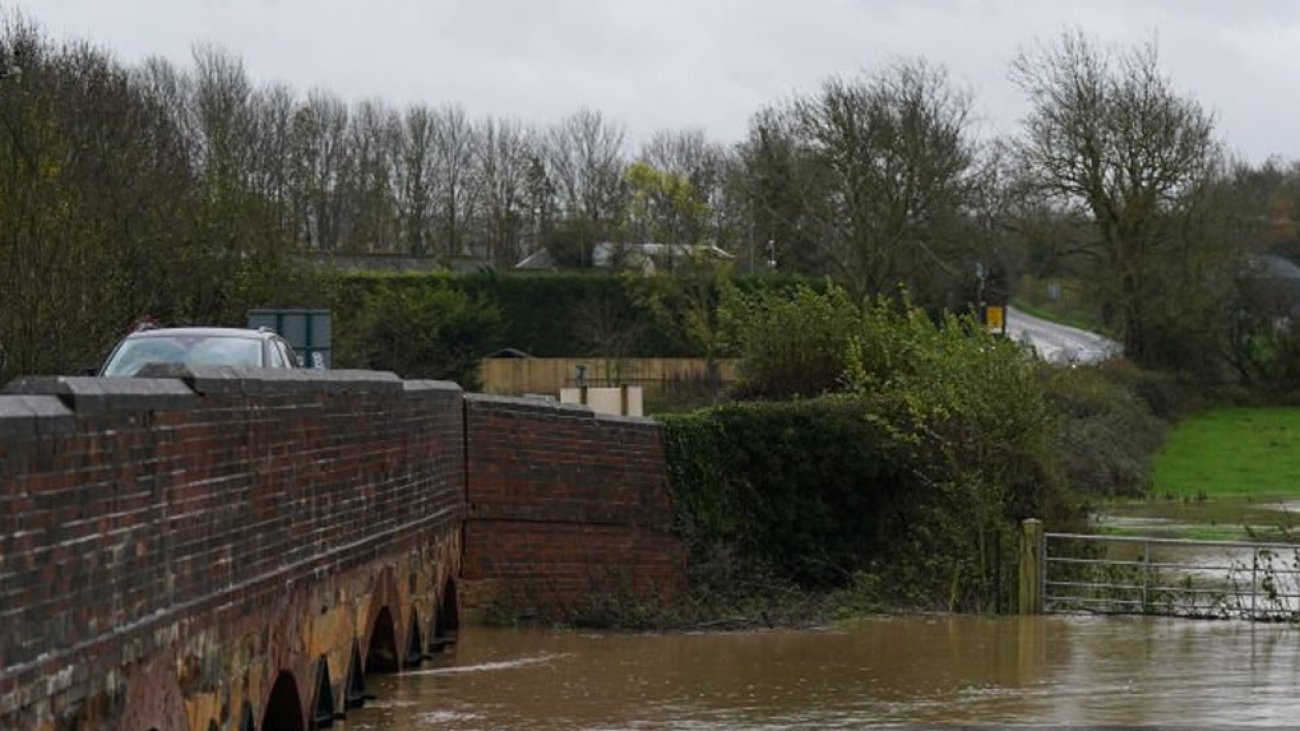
(509, 353)
(540, 259)
(647, 257)
(606, 253)
(1276, 266)
(387, 262)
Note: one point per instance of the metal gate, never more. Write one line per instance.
(1169, 576)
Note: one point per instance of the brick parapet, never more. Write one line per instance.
(566, 508)
(127, 505)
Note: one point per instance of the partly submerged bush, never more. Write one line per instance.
(918, 472)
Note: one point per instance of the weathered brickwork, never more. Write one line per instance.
(215, 548)
(170, 546)
(566, 509)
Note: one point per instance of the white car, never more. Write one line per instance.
(199, 346)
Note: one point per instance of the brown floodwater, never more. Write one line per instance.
(878, 671)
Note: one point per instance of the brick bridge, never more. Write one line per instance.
(211, 548)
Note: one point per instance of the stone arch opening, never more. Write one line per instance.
(283, 708)
(446, 621)
(414, 641)
(322, 713)
(246, 722)
(354, 692)
(381, 656)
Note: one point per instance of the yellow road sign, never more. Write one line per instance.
(995, 317)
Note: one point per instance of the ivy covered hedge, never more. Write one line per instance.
(825, 494)
(808, 489)
(905, 451)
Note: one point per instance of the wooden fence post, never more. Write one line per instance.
(1031, 568)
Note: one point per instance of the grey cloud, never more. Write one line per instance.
(699, 63)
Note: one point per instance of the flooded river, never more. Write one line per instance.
(879, 671)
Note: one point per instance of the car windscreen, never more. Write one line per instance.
(135, 353)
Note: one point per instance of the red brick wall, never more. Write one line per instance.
(175, 542)
(129, 505)
(567, 509)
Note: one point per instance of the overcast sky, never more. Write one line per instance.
(700, 63)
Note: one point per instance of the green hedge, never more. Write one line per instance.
(547, 314)
(828, 494)
(841, 492)
(435, 330)
(808, 488)
(571, 314)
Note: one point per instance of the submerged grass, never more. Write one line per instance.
(1238, 454)
(1230, 473)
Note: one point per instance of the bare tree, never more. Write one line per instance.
(222, 116)
(414, 179)
(454, 146)
(1108, 135)
(503, 157)
(273, 109)
(320, 165)
(371, 131)
(585, 161)
(783, 196)
(896, 149)
(688, 156)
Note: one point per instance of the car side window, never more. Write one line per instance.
(275, 356)
(290, 357)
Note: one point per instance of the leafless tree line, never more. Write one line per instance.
(187, 193)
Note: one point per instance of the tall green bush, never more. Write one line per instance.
(1107, 430)
(790, 343)
(439, 332)
(804, 487)
(916, 475)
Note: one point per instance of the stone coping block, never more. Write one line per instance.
(89, 395)
(228, 380)
(432, 388)
(26, 416)
(543, 407)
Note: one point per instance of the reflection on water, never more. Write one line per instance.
(886, 671)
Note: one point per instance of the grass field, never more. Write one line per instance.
(1225, 474)
(1247, 454)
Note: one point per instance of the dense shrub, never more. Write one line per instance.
(1106, 431)
(825, 492)
(572, 314)
(791, 343)
(800, 486)
(436, 332)
(915, 477)
(554, 314)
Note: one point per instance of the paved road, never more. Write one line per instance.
(1059, 343)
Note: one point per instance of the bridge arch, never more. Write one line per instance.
(381, 654)
(446, 620)
(283, 707)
